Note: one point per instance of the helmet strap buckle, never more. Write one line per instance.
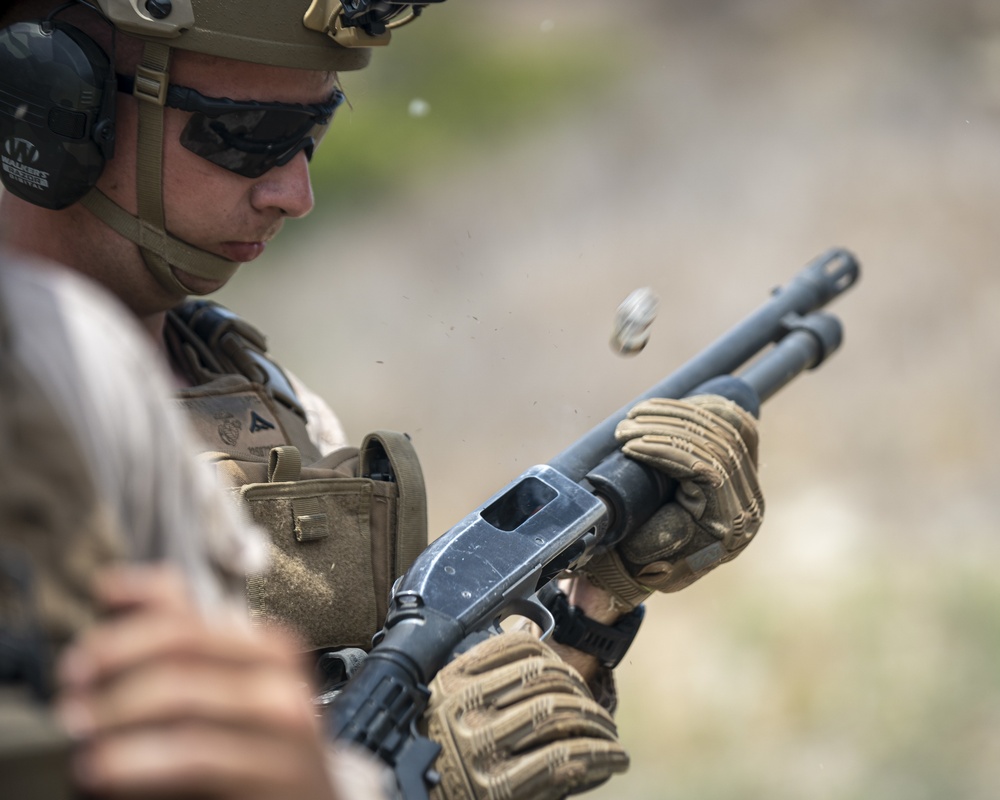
(151, 85)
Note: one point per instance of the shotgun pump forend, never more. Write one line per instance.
(554, 517)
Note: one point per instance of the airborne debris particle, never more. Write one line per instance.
(419, 108)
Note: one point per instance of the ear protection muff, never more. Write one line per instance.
(57, 112)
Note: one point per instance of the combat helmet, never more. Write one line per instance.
(321, 34)
(334, 35)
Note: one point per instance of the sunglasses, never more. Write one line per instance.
(245, 136)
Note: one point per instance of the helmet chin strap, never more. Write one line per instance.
(160, 251)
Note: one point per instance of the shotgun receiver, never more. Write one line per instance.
(554, 517)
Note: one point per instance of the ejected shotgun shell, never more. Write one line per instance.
(632, 320)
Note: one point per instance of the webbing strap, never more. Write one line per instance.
(159, 242)
(411, 503)
(284, 464)
(159, 249)
(151, 81)
(311, 522)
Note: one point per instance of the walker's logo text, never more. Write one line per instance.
(16, 161)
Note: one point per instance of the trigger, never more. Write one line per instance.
(546, 621)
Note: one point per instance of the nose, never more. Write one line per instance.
(287, 188)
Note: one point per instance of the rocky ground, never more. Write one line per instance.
(851, 652)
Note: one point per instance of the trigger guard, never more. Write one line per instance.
(532, 609)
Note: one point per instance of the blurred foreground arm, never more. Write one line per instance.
(164, 703)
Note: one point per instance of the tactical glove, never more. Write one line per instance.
(708, 444)
(514, 720)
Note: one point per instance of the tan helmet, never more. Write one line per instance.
(268, 32)
(306, 34)
(316, 34)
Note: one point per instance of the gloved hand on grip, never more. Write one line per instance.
(708, 444)
(514, 720)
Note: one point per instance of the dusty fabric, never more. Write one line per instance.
(342, 526)
(321, 579)
(514, 720)
(340, 533)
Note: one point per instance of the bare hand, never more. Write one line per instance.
(164, 704)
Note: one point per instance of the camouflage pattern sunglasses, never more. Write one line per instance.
(245, 136)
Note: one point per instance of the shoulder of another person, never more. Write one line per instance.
(73, 321)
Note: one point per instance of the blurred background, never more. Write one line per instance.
(508, 172)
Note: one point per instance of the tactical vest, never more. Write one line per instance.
(342, 527)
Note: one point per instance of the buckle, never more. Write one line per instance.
(150, 85)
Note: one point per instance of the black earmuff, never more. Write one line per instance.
(57, 112)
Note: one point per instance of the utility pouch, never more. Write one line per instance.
(343, 527)
(342, 530)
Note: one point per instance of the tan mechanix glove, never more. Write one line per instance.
(708, 444)
(514, 720)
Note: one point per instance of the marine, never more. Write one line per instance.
(177, 137)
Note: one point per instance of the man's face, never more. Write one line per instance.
(207, 205)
